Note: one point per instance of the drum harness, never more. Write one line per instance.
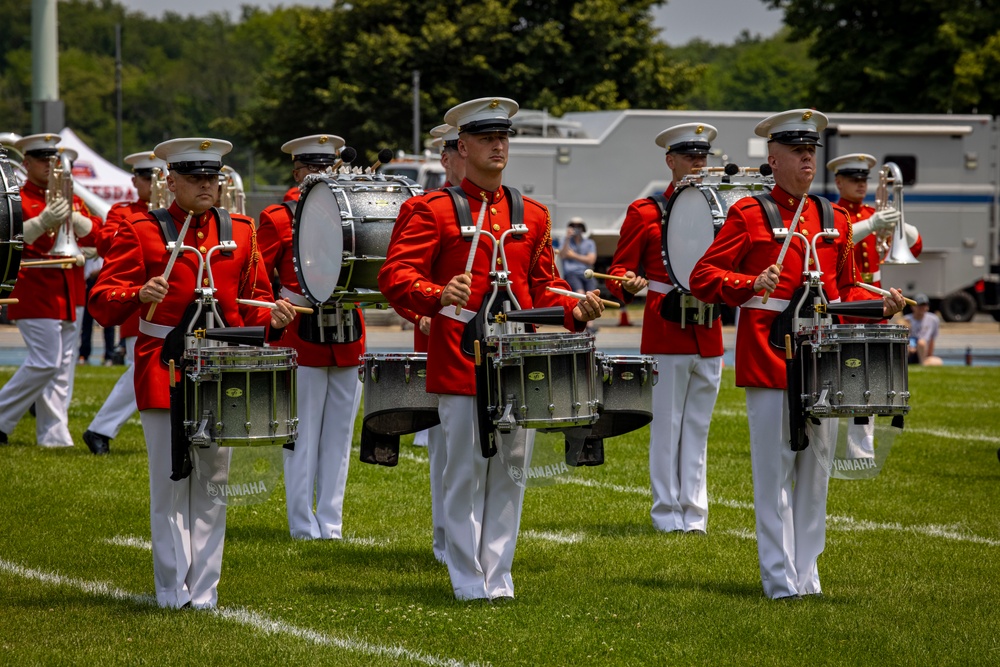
(678, 305)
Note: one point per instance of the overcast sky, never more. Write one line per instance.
(717, 21)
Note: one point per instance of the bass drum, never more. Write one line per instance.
(343, 224)
(11, 241)
(694, 215)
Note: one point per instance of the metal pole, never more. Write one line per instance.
(416, 112)
(46, 109)
(118, 91)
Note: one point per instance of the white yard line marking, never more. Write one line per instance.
(129, 541)
(559, 538)
(840, 523)
(403, 454)
(239, 615)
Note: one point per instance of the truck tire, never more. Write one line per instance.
(958, 307)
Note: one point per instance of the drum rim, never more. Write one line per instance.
(335, 257)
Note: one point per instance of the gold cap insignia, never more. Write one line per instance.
(701, 128)
(494, 104)
(807, 115)
(323, 139)
(152, 156)
(205, 145)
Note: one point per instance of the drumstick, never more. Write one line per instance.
(273, 306)
(7, 302)
(78, 260)
(882, 292)
(788, 347)
(173, 258)
(591, 274)
(581, 297)
(173, 382)
(475, 242)
(788, 241)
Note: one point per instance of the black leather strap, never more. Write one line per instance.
(462, 211)
(169, 230)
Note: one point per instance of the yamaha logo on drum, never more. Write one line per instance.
(852, 363)
(535, 376)
(627, 375)
(422, 373)
(234, 392)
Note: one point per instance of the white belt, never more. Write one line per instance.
(876, 277)
(776, 305)
(154, 330)
(295, 298)
(662, 288)
(465, 316)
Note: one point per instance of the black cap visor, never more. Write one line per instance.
(796, 138)
(690, 148)
(486, 126)
(854, 173)
(196, 167)
(42, 153)
(322, 159)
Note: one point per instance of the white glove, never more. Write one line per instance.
(50, 218)
(82, 224)
(885, 220)
(55, 213)
(90, 253)
(911, 234)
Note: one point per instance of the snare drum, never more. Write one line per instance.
(343, 224)
(855, 369)
(543, 381)
(694, 215)
(11, 241)
(395, 395)
(627, 402)
(240, 396)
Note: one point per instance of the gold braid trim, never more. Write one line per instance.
(848, 252)
(251, 263)
(546, 241)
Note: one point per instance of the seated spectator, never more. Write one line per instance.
(924, 327)
(578, 253)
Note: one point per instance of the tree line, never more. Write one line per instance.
(263, 77)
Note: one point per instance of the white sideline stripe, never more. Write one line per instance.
(129, 541)
(367, 541)
(741, 533)
(413, 457)
(242, 616)
(936, 432)
(841, 523)
(559, 538)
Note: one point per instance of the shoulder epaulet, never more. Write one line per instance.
(528, 200)
(242, 218)
(434, 194)
(745, 203)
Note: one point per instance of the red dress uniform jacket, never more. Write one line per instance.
(139, 253)
(429, 251)
(745, 247)
(865, 251)
(274, 237)
(640, 247)
(49, 292)
(292, 194)
(118, 214)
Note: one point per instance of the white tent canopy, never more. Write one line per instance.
(97, 174)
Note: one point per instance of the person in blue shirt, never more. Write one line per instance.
(578, 253)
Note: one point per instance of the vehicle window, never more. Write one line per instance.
(907, 165)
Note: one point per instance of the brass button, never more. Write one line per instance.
(726, 279)
(204, 282)
(736, 282)
(812, 261)
(496, 227)
(791, 202)
(203, 250)
(133, 295)
(417, 285)
(805, 232)
(114, 293)
(428, 290)
(864, 253)
(493, 210)
(437, 291)
(201, 235)
(482, 194)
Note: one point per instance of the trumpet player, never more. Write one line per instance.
(120, 403)
(49, 296)
(851, 177)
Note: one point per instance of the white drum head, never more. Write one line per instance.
(689, 233)
(318, 242)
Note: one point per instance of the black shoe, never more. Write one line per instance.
(31, 410)
(98, 444)
(3, 438)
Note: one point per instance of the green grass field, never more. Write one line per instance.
(911, 572)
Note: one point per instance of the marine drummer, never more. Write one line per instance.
(790, 487)
(120, 404)
(188, 528)
(425, 272)
(852, 172)
(329, 344)
(688, 355)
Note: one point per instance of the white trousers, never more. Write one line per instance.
(437, 454)
(187, 528)
(683, 401)
(482, 506)
(120, 403)
(789, 496)
(43, 380)
(328, 399)
(76, 351)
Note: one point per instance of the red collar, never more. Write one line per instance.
(786, 200)
(477, 193)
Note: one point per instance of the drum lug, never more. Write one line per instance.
(374, 372)
(406, 372)
(248, 426)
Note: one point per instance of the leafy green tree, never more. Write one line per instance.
(349, 69)
(754, 74)
(895, 56)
